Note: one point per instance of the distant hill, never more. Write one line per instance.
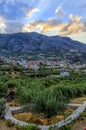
(36, 45)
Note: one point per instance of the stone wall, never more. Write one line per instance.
(67, 121)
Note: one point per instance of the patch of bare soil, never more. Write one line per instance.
(78, 100)
(80, 124)
(40, 118)
(14, 104)
(4, 127)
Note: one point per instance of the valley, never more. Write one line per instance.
(41, 88)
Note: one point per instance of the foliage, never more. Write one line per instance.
(53, 128)
(11, 84)
(28, 127)
(50, 96)
(68, 127)
(83, 114)
(48, 102)
(9, 123)
(3, 89)
(46, 95)
(2, 107)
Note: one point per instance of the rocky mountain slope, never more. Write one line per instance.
(39, 45)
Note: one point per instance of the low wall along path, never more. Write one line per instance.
(68, 120)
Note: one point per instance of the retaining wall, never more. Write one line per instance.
(68, 120)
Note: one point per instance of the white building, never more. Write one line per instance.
(64, 74)
(35, 67)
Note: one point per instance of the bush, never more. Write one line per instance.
(48, 103)
(11, 84)
(28, 127)
(9, 123)
(68, 127)
(49, 96)
(2, 107)
(3, 90)
(53, 128)
(83, 114)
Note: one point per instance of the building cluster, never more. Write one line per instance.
(35, 64)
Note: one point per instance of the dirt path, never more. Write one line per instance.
(4, 127)
(80, 125)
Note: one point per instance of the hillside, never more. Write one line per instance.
(39, 46)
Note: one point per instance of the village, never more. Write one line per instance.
(23, 80)
(63, 67)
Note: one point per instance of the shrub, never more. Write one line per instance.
(48, 95)
(11, 84)
(3, 90)
(28, 127)
(2, 107)
(48, 103)
(83, 114)
(9, 123)
(53, 128)
(68, 127)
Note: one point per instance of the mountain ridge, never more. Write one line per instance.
(36, 44)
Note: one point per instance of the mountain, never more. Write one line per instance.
(34, 45)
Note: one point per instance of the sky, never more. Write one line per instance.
(49, 17)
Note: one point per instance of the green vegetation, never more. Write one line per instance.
(50, 96)
(53, 128)
(2, 107)
(9, 123)
(42, 95)
(68, 127)
(83, 114)
(48, 102)
(28, 127)
(3, 89)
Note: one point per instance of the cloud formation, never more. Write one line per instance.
(59, 11)
(32, 11)
(42, 26)
(53, 17)
(73, 26)
(75, 18)
(2, 25)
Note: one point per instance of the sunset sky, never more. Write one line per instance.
(49, 17)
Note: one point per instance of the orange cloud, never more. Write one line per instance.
(74, 26)
(43, 26)
(75, 18)
(71, 28)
